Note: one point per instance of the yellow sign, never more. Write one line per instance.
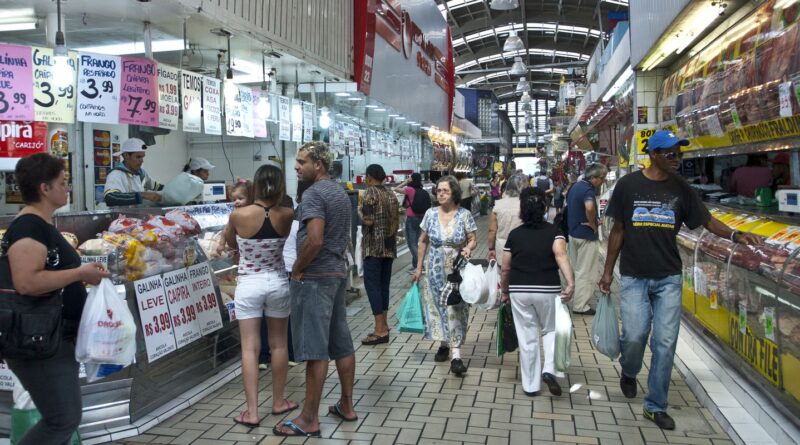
(524, 150)
(641, 138)
(779, 128)
(759, 352)
(498, 167)
(54, 86)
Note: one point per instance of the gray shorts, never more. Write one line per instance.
(319, 319)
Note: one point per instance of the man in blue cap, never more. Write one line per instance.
(649, 206)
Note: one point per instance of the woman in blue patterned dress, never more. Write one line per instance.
(447, 229)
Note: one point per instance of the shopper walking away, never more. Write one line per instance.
(417, 201)
(319, 318)
(36, 260)
(467, 190)
(446, 231)
(532, 258)
(379, 217)
(505, 216)
(649, 206)
(260, 231)
(584, 247)
(497, 179)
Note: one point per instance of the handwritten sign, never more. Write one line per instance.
(308, 121)
(138, 104)
(54, 81)
(7, 378)
(98, 88)
(285, 118)
(260, 112)
(212, 107)
(191, 96)
(181, 307)
(233, 109)
(246, 98)
(159, 339)
(297, 120)
(16, 83)
(168, 106)
(205, 296)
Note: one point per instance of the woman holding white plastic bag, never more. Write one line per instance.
(532, 257)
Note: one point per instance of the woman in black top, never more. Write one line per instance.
(533, 255)
(53, 382)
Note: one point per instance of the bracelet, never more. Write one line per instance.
(733, 235)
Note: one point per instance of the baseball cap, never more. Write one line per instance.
(200, 163)
(664, 139)
(133, 145)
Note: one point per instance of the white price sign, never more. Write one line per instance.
(7, 378)
(159, 339)
(285, 117)
(205, 297)
(212, 108)
(98, 88)
(168, 100)
(181, 307)
(246, 97)
(191, 92)
(297, 120)
(308, 121)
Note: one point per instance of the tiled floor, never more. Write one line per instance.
(403, 396)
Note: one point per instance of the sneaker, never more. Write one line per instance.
(531, 394)
(293, 364)
(262, 366)
(552, 383)
(660, 418)
(442, 354)
(628, 386)
(457, 367)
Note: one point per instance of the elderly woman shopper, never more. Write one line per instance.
(379, 216)
(447, 230)
(37, 261)
(505, 216)
(532, 258)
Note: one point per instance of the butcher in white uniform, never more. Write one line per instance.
(127, 183)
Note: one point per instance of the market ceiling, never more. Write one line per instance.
(559, 37)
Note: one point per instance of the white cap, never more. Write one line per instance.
(200, 163)
(133, 145)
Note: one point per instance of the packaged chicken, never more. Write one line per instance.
(184, 220)
(124, 224)
(171, 230)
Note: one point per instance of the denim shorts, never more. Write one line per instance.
(319, 319)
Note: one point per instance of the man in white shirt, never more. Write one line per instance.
(127, 183)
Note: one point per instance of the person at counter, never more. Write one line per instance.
(199, 167)
(649, 207)
(751, 177)
(128, 184)
(36, 260)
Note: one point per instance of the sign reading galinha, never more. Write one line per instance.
(773, 129)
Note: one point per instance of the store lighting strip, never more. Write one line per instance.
(523, 52)
(19, 26)
(531, 27)
(618, 84)
(134, 47)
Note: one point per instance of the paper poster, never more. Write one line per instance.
(743, 317)
(260, 112)
(159, 339)
(785, 96)
(138, 102)
(7, 378)
(233, 109)
(246, 114)
(168, 99)
(98, 88)
(16, 83)
(191, 101)
(19, 139)
(769, 323)
(212, 106)
(182, 308)
(285, 118)
(205, 297)
(308, 122)
(54, 86)
(297, 120)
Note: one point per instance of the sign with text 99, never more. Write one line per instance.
(138, 103)
(154, 316)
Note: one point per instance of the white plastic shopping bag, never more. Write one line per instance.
(492, 300)
(563, 336)
(473, 284)
(107, 333)
(181, 189)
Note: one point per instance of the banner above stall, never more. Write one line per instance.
(404, 58)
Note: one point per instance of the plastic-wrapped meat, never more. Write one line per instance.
(765, 259)
(124, 224)
(172, 230)
(184, 220)
(716, 247)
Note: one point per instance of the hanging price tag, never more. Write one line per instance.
(205, 298)
(769, 323)
(297, 121)
(54, 86)
(743, 317)
(212, 106)
(181, 307)
(98, 88)
(138, 102)
(285, 116)
(260, 112)
(308, 121)
(159, 339)
(168, 102)
(246, 113)
(16, 83)
(191, 92)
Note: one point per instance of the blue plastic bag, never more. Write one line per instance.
(605, 330)
(409, 315)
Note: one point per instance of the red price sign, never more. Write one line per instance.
(154, 314)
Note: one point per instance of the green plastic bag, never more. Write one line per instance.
(506, 338)
(23, 420)
(409, 315)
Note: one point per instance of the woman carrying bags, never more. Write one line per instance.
(532, 258)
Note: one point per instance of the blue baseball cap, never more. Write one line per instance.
(664, 139)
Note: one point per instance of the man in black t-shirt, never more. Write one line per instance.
(648, 208)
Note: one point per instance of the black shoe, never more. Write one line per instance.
(531, 394)
(442, 354)
(457, 367)
(588, 312)
(628, 386)
(552, 383)
(660, 418)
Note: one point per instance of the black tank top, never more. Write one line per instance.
(267, 231)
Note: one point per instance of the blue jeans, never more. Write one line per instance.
(412, 236)
(645, 303)
(377, 281)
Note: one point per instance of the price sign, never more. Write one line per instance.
(785, 97)
(98, 88)
(205, 298)
(182, 307)
(297, 120)
(743, 317)
(769, 323)
(16, 83)
(260, 109)
(159, 339)
(102, 259)
(168, 101)
(246, 111)
(308, 121)
(285, 118)
(138, 101)
(54, 86)
(212, 106)
(191, 96)
(7, 378)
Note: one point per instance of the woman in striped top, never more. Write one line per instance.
(532, 257)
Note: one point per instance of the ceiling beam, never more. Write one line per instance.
(583, 18)
(491, 51)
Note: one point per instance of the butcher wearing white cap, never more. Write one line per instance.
(199, 167)
(128, 183)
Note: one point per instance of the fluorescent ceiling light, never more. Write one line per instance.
(504, 73)
(342, 94)
(523, 53)
(354, 99)
(504, 5)
(371, 106)
(401, 118)
(380, 109)
(19, 26)
(134, 47)
(617, 2)
(627, 74)
(394, 115)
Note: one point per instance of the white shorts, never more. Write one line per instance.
(261, 294)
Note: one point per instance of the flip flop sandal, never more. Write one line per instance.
(373, 339)
(242, 422)
(289, 408)
(295, 429)
(336, 410)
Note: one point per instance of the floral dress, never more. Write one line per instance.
(442, 322)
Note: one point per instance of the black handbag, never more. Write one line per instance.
(30, 326)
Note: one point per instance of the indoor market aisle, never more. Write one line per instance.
(403, 396)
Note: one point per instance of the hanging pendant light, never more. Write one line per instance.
(518, 68)
(526, 106)
(526, 98)
(513, 42)
(324, 118)
(522, 86)
(504, 5)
